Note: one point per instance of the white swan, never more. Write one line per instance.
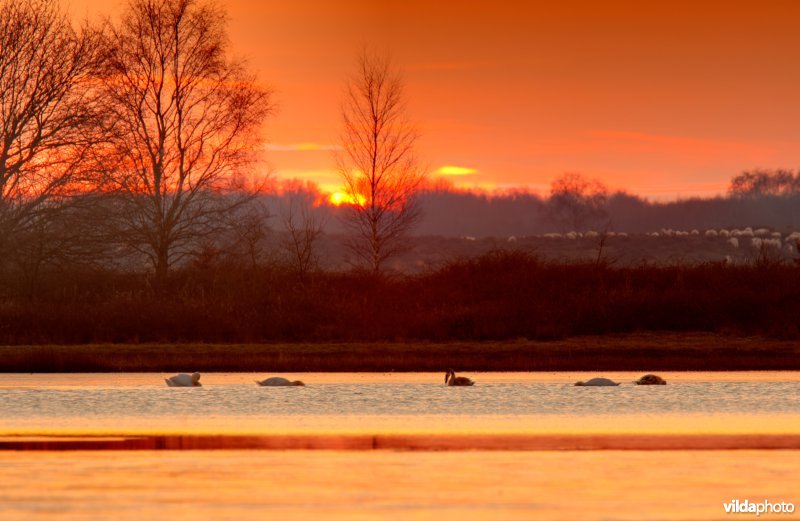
(184, 380)
(451, 379)
(598, 382)
(277, 381)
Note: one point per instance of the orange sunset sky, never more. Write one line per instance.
(664, 99)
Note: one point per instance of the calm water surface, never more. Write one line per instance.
(301, 485)
(244, 485)
(500, 402)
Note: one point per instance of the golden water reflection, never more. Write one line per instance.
(390, 484)
(438, 424)
(331, 485)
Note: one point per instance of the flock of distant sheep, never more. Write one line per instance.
(759, 239)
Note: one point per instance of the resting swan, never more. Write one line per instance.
(277, 381)
(450, 378)
(184, 380)
(651, 379)
(598, 382)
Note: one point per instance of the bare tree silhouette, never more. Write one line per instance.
(249, 227)
(577, 202)
(377, 163)
(303, 228)
(762, 183)
(184, 126)
(47, 117)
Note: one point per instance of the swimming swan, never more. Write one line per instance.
(184, 380)
(598, 382)
(651, 379)
(450, 378)
(277, 381)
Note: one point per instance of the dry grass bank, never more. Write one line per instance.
(638, 352)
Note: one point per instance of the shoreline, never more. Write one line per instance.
(406, 442)
(629, 352)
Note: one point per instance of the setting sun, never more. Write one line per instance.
(339, 198)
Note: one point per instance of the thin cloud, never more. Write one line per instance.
(450, 170)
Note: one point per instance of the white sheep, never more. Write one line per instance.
(711, 233)
(512, 239)
(695, 232)
(733, 241)
(591, 233)
(756, 242)
(747, 232)
(724, 233)
(776, 235)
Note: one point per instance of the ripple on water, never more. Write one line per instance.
(376, 397)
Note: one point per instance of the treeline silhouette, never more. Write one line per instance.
(499, 296)
(454, 213)
(449, 212)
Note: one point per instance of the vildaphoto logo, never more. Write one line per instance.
(764, 507)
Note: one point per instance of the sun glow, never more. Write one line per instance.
(339, 198)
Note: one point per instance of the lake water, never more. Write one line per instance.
(399, 402)
(396, 484)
